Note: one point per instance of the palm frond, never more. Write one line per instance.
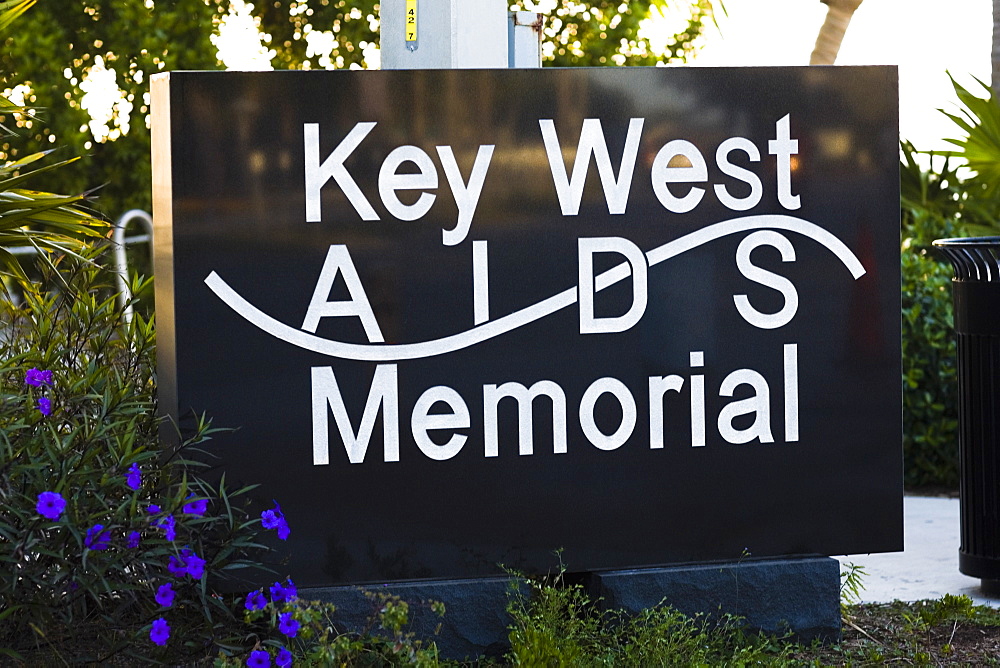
(980, 121)
(45, 222)
(11, 9)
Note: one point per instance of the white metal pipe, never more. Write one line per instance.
(121, 260)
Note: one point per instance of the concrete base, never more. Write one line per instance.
(475, 620)
(774, 595)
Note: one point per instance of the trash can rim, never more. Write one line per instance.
(968, 241)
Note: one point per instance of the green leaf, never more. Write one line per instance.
(11, 9)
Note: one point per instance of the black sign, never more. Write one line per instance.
(463, 319)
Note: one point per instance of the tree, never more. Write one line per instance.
(831, 33)
(605, 32)
(66, 49)
(63, 50)
(29, 216)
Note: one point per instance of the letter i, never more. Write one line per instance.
(480, 282)
(697, 401)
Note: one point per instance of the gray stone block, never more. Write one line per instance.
(772, 595)
(475, 621)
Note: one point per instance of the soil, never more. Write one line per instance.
(903, 634)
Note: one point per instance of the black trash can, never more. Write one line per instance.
(976, 293)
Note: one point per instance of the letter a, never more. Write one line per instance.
(338, 260)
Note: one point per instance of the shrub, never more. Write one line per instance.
(930, 380)
(98, 517)
(114, 542)
(932, 203)
(558, 624)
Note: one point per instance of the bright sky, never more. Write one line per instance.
(924, 37)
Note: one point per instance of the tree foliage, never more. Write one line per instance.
(65, 48)
(606, 32)
(62, 49)
(28, 216)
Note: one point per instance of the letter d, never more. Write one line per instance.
(589, 324)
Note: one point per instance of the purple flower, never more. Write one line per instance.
(196, 507)
(288, 624)
(152, 509)
(44, 406)
(160, 632)
(283, 530)
(133, 539)
(37, 377)
(169, 530)
(270, 519)
(284, 659)
(176, 566)
(50, 505)
(168, 524)
(97, 538)
(255, 601)
(259, 659)
(195, 565)
(275, 519)
(280, 593)
(165, 595)
(187, 563)
(134, 476)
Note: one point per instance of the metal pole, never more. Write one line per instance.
(524, 40)
(457, 34)
(452, 34)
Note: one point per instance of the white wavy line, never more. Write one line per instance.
(403, 351)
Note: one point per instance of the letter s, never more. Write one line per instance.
(767, 278)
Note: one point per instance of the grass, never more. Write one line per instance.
(559, 625)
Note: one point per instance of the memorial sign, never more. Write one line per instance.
(466, 318)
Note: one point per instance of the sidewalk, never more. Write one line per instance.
(928, 565)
